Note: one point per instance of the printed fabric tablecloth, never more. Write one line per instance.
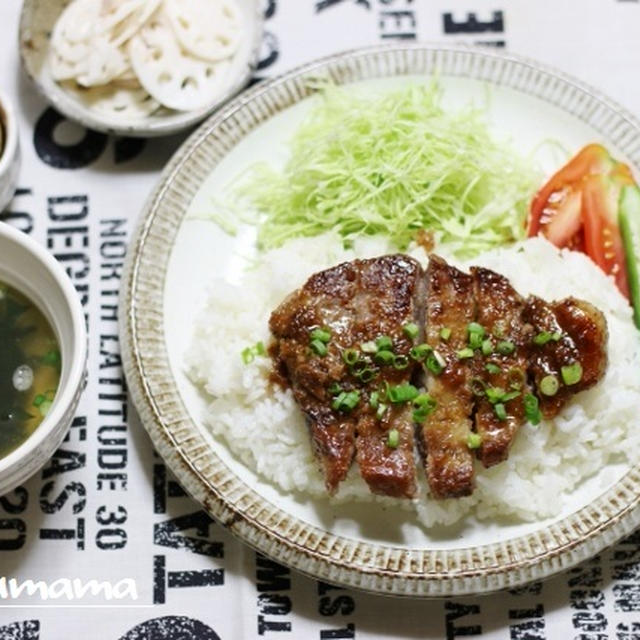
(106, 508)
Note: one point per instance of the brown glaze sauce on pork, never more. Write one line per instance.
(356, 302)
(444, 433)
(499, 312)
(453, 395)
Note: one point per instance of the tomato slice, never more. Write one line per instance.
(555, 209)
(577, 242)
(603, 242)
(578, 208)
(561, 219)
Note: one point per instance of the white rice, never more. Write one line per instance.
(262, 425)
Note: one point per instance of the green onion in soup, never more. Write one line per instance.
(30, 365)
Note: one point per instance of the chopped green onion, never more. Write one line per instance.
(337, 402)
(545, 336)
(423, 400)
(500, 411)
(318, 347)
(44, 408)
(474, 327)
(384, 357)
(350, 356)
(549, 385)
(324, 335)
(494, 394)
(381, 410)
(369, 347)
(487, 347)
(249, 354)
(374, 399)
(420, 352)
(346, 401)
(393, 439)
(510, 395)
(465, 353)
(38, 400)
(424, 404)
(516, 378)
(400, 362)
(478, 386)
(474, 441)
(384, 343)
(492, 368)
(402, 393)
(475, 340)
(334, 388)
(572, 373)
(419, 415)
(434, 363)
(445, 333)
(542, 338)
(411, 330)
(359, 366)
(366, 375)
(51, 358)
(476, 334)
(532, 409)
(498, 395)
(505, 347)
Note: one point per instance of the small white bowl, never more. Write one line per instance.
(9, 152)
(37, 20)
(29, 268)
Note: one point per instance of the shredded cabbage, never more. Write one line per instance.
(392, 164)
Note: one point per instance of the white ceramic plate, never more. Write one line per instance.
(170, 263)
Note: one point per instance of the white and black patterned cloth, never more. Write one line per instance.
(106, 507)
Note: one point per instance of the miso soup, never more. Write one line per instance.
(30, 367)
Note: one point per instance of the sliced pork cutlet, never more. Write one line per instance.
(501, 341)
(390, 288)
(568, 352)
(450, 307)
(320, 331)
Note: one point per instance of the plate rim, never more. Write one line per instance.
(372, 567)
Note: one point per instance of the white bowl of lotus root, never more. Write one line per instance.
(139, 67)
